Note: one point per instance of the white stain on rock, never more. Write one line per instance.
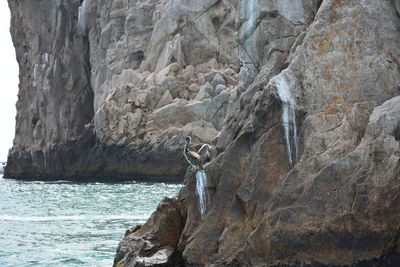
(288, 116)
(201, 183)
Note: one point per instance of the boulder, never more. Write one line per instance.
(165, 99)
(217, 80)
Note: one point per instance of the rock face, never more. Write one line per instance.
(55, 97)
(307, 170)
(109, 89)
(299, 97)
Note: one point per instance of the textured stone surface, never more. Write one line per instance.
(300, 99)
(55, 97)
(334, 200)
(153, 244)
(132, 72)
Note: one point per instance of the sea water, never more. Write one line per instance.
(71, 224)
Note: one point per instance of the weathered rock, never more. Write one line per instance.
(156, 241)
(88, 71)
(188, 73)
(165, 99)
(204, 92)
(194, 87)
(230, 76)
(305, 167)
(55, 100)
(308, 162)
(219, 88)
(217, 80)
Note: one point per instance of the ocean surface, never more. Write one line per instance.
(71, 224)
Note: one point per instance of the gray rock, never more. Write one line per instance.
(170, 84)
(55, 98)
(200, 79)
(298, 97)
(97, 79)
(219, 88)
(217, 80)
(194, 87)
(204, 93)
(165, 99)
(160, 250)
(188, 73)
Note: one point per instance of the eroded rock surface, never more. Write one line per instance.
(307, 168)
(109, 89)
(299, 97)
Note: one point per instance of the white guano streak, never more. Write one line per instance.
(250, 10)
(288, 117)
(82, 25)
(201, 183)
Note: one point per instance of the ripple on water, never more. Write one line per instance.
(63, 223)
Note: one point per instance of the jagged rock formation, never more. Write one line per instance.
(299, 97)
(307, 171)
(109, 89)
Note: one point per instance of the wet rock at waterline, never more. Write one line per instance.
(160, 240)
(154, 243)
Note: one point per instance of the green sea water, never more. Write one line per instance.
(71, 224)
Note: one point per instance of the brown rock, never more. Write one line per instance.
(308, 163)
(154, 248)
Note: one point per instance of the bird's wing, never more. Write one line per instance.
(194, 155)
(204, 151)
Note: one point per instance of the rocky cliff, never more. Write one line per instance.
(307, 169)
(300, 99)
(109, 89)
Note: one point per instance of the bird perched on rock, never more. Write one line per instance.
(196, 159)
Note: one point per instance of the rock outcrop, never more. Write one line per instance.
(307, 169)
(109, 89)
(300, 99)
